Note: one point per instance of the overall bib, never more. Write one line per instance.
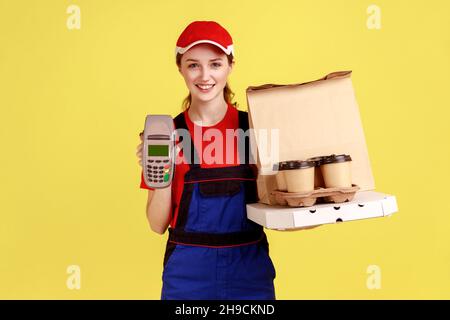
(214, 252)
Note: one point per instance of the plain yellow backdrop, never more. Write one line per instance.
(74, 100)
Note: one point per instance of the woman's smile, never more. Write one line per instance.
(205, 87)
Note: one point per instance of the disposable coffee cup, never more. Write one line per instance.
(281, 181)
(318, 178)
(336, 171)
(299, 175)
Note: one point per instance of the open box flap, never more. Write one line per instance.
(333, 75)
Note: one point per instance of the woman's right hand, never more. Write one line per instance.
(139, 149)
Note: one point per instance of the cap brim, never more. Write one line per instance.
(227, 51)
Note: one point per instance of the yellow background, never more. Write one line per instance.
(73, 101)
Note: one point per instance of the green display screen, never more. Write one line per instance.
(158, 150)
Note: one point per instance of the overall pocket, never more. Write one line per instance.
(218, 206)
(220, 188)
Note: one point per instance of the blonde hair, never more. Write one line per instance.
(228, 94)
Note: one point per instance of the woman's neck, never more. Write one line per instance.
(207, 113)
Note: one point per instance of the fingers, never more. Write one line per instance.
(139, 148)
(139, 154)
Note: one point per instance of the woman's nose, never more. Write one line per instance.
(205, 74)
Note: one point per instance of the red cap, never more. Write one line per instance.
(204, 32)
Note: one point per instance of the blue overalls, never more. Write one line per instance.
(214, 252)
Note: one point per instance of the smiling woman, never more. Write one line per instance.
(213, 251)
(215, 63)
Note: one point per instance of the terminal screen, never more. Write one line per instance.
(158, 150)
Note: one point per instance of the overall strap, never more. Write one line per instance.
(243, 142)
(188, 146)
(243, 120)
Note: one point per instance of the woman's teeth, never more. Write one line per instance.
(205, 87)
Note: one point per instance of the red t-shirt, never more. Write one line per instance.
(230, 121)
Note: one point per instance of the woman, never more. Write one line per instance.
(213, 250)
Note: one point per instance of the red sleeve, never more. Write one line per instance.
(143, 185)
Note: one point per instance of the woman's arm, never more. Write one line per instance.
(158, 201)
(159, 209)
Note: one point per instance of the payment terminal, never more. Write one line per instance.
(158, 152)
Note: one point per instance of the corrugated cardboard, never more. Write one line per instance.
(366, 205)
(314, 118)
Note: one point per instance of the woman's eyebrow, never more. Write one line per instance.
(209, 60)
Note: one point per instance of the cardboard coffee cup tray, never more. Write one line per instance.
(297, 199)
(311, 119)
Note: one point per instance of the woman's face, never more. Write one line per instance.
(205, 70)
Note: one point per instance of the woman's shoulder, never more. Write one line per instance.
(180, 121)
(181, 114)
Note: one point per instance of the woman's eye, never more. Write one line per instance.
(215, 65)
